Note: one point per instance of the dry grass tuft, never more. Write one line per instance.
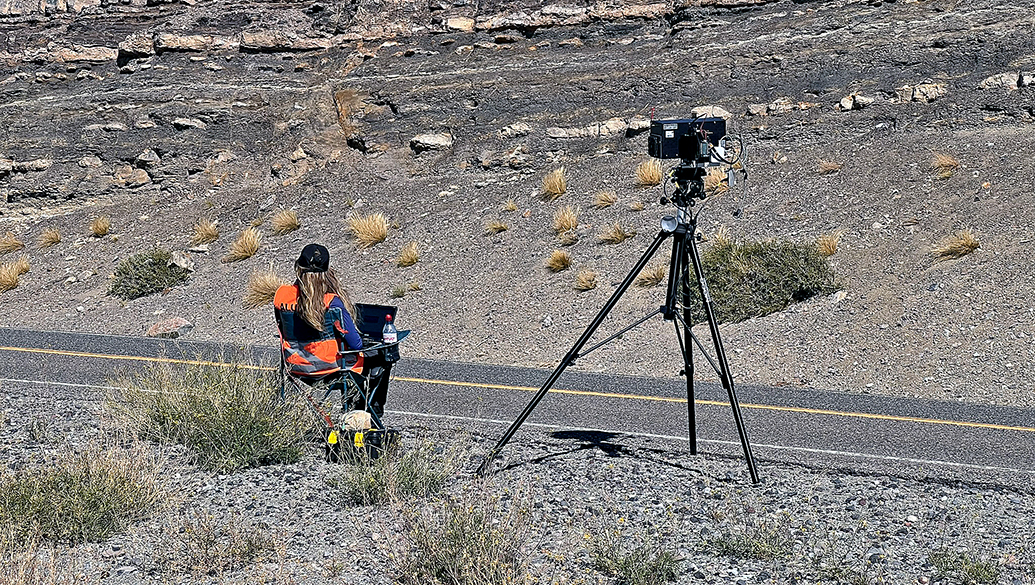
(495, 226)
(555, 183)
(246, 245)
(369, 229)
(8, 277)
(957, 245)
(558, 261)
(585, 280)
(616, 234)
(648, 173)
(285, 221)
(408, 256)
(510, 205)
(604, 199)
(828, 167)
(827, 243)
(652, 276)
(636, 206)
(944, 165)
(100, 226)
(716, 183)
(569, 238)
(21, 266)
(81, 497)
(206, 231)
(722, 236)
(262, 287)
(50, 237)
(566, 219)
(9, 243)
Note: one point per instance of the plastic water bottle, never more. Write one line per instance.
(389, 334)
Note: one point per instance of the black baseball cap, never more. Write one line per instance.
(314, 258)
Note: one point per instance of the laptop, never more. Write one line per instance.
(370, 319)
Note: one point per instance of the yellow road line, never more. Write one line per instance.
(770, 407)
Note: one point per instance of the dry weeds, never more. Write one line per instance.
(495, 226)
(827, 243)
(957, 245)
(585, 280)
(510, 205)
(21, 265)
(716, 183)
(8, 277)
(636, 205)
(368, 229)
(408, 256)
(944, 165)
(100, 226)
(206, 231)
(566, 219)
(604, 199)
(616, 234)
(285, 221)
(828, 167)
(262, 287)
(648, 173)
(555, 184)
(559, 260)
(569, 238)
(246, 245)
(10, 243)
(50, 237)
(651, 276)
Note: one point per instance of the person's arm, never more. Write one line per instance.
(346, 328)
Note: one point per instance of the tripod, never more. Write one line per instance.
(689, 180)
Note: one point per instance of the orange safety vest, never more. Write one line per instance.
(307, 351)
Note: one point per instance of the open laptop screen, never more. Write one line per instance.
(370, 319)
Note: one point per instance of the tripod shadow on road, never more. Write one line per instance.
(601, 440)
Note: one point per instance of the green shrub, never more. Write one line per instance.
(754, 279)
(961, 568)
(642, 565)
(763, 541)
(230, 417)
(200, 544)
(473, 540)
(80, 497)
(420, 472)
(147, 273)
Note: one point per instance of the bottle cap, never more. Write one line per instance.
(388, 318)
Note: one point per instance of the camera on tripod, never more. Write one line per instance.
(694, 141)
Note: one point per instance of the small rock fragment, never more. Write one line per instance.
(172, 328)
(424, 142)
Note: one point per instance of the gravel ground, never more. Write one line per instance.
(575, 489)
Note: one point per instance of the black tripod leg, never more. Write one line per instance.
(720, 354)
(685, 342)
(573, 353)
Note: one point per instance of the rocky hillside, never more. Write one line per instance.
(156, 114)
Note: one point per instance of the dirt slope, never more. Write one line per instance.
(159, 114)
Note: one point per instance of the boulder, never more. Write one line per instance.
(127, 176)
(854, 102)
(1027, 79)
(516, 129)
(182, 260)
(1007, 80)
(636, 125)
(272, 41)
(90, 162)
(136, 46)
(77, 54)
(424, 142)
(148, 159)
(29, 166)
(6, 166)
(460, 24)
(188, 123)
(710, 112)
(172, 328)
(189, 43)
(924, 92)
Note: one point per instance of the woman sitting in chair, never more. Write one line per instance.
(319, 339)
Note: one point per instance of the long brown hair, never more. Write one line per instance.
(312, 286)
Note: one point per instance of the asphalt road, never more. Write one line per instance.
(846, 432)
